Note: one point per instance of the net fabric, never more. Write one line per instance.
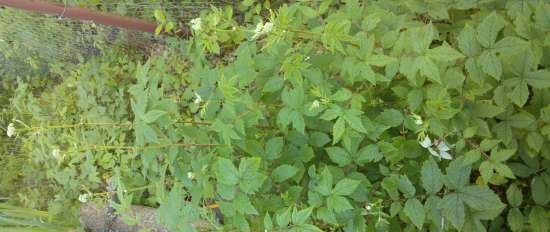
(31, 42)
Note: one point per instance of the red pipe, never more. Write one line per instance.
(81, 14)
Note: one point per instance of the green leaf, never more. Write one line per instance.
(338, 130)
(249, 174)
(535, 141)
(338, 203)
(431, 176)
(503, 170)
(390, 117)
(471, 157)
(226, 131)
(284, 217)
(414, 99)
(539, 79)
(428, 69)
(444, 53)
(341, 95)
(473, 223)
(379, 60)
(481, 198)
(293, 98)
(171, 211)
(415, 211)
(422, 37)
(515, 219)
(318, 139)
(300, 217)
(453, 78)
(542, 18)
(145, 134)
(486, 110)
(474, 70)
(488, 144)
(510, 45)
(298, 121)
(284, 172)
(159, 15)
(242, 204)
(226, 191)
(339, 156)
(331, 113)
(327, 216)
(274, 147)
(467, 41)
(268, 223)
(153, 115)
(354, 121)
(519, 94)
(283, 117)
(325, 183)
(538, 219)
(502, 155)
(490, 64)
(227, 172)
(539, 191)
(521, 120)
(457, 175)
(488, 29)
(345, 187)
(395, 208)
(305, 228)
(486, 169)
(453, 209)
(405, 186)
(514, 195)
(391, 186)
(274, 83)
(369, 153)
(409, 68)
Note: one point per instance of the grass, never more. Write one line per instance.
(19, 219)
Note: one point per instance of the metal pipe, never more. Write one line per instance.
(81, 14)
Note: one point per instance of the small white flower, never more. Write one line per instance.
(307, 58)
(433, 152)
(445, 155)
(196, 24)
(191, 175)
(198, 98)
(259, 28)
(417, 119)
(442, 146)
(268, 27)
(262, 29)
(83, 197)
(438, 148)
(11, 130)
(315, 105)
(56, 153)
(426, 143)
(368, 207)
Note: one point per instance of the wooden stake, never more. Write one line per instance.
(81, 14)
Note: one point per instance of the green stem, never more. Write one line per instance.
(136, 148)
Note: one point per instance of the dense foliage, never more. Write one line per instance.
(308, 116)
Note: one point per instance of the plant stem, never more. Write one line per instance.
(138, 148)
